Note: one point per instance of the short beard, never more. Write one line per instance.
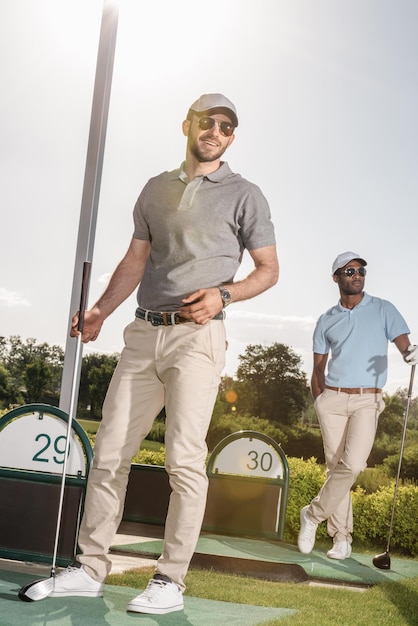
(352, 291)
(201, 156)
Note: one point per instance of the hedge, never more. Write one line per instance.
(371, 511)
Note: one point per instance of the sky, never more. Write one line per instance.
(327, 99)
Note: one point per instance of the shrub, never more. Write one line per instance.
(373, 478)
(409, 467)
(372, 513)
(229, 424)
(304, 442)
(306, 479)
(405, 525)
(150, 457)
(157, 432)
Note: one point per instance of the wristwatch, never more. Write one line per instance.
(225, 295)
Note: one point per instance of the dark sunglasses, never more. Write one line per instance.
(351, 271)
(206, 123)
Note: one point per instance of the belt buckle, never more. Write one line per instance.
(153, 319)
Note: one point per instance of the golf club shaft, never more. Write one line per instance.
(73, 406)
(408, 402)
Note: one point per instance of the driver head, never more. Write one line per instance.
(36, 590)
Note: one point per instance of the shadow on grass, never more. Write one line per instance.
(404, 596)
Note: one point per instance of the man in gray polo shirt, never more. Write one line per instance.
(191, 227)
(348, 398)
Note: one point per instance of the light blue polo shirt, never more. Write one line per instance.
(358, 341)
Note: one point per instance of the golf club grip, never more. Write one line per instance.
(83, 296)
(411, 382)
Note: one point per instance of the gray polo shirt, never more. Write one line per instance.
(198, 231)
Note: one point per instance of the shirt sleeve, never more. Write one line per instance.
(256, 226)
(320, 343)
(395, 323)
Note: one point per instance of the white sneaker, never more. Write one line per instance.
(158, 598)
(340, 550)
(306, 538)
(74, 581)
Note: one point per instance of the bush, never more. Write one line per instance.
(405, 525)
(372, 513)
(373, 478)
(157, 432)
(230, 423)
(306, 479)
(409, 467)
(150, 457)
(304, 442)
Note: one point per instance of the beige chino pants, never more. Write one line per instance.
(348, 426)
(178, 367)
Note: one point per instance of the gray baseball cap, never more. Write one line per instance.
(344, 258)
(210, 103)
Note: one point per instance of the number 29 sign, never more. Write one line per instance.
(36, 441)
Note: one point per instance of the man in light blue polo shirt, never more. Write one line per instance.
(348, 397)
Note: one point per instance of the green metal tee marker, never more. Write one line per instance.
(32, 449)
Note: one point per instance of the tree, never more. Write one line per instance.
(16, 356)
(391, 419)
(5, 386)
(96, 372)
(37, 377)
(271, 384)
(226, 399)
(413, 406)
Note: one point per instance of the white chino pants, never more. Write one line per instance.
(348, 426)
(178, 367)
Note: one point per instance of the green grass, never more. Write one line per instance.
(386, 604)
(154, 446)
(90, 426)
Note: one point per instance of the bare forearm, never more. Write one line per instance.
(202, 305)
(126, 277)
(123, 282)
(264, 275)
(317, 386)
(402, 342)
(318, 374)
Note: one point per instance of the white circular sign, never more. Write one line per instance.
(36, 441)
(249, 456)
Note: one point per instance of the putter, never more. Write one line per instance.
(40, 589)
(382, 561)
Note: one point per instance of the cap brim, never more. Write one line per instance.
(232, 116)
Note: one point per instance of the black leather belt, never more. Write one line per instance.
(165, 318)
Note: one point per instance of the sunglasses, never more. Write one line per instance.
(206, 123)
(351, 271)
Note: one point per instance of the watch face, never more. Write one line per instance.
(226, 296)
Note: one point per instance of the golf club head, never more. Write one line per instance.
(37, 590)
(382, 561)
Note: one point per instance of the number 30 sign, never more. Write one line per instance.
(248, 453)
